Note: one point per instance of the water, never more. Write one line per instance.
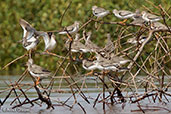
(91, 90)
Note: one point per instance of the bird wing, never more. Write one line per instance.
(28, 29)
(29, 34)
(99, 10)
(109, 47)
(109, 65)
(92, 45)
(25, 44)
(78, 46)
(117, 58)
(24, 23)
(70, 28)
(151, 16)
(46, 38)
(39, 70)
(124, 13)
(88, 64)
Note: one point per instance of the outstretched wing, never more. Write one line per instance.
(28, 29)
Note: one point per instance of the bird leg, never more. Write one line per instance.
(105, 72)
(69, 37)
(50, 53)
(74, 58)
(81, 55)
(123, 22)
(95, 25)
(89, 73)
(92, 58)
(151, 24)
(37, 81)
(30, 53)
(98, 27)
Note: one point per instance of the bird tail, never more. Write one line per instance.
(121, 69)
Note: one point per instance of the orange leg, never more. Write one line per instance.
(89, 73)
(69, 37)
(37, 81)
(81, 56)
(151, 24)
(50, 53)
(123, 22)
(74, 58)
(92, 58)
(106, 72)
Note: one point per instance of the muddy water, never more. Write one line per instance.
(91, 90)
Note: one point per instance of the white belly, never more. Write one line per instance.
(31, 46)
(51, 45)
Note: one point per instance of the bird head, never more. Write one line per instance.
(77, 23)
(24, 23)
(143, 13)
(29, 62)
(130, 40)
(94, 7)
(51, 35)
(114, 11)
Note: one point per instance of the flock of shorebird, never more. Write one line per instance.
(105, 58)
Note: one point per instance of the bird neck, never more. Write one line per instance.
(46, 40)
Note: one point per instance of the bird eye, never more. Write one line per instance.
(50, 34)
(26, 28)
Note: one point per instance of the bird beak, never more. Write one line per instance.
(20, 41)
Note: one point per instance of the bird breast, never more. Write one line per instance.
(51, 44)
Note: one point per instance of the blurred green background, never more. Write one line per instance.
(46, 15)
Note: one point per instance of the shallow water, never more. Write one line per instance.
(91, 92)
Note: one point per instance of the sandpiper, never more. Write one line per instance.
(50, 42)
(138, 21)
(159, 26)
(71, 29)
(89, 65)
(118, 59)
(108, 65)
(150, 17)
(115, 60)
(37, 71)
(123, 14)
(89, 44)
(105, 64)
(29, 31)
(30, 37)
(137, 15)
(135, 40)
(76, 46)
(99, 12)
(113, 63)
(109, 47)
